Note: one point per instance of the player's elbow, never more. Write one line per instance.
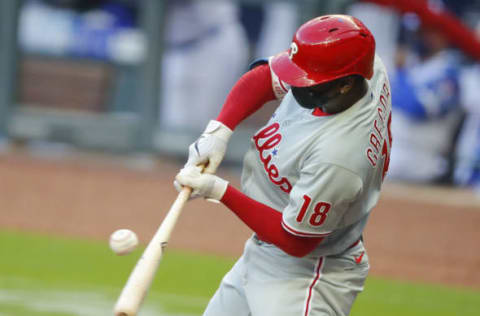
(297, 252)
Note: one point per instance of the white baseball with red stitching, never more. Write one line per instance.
(123, 241)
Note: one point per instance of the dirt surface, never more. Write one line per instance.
(415, 233)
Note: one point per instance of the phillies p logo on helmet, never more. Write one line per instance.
(293, 50)
(324, 49)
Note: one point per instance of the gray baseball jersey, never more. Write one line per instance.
(323, 172)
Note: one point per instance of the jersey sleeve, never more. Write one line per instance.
(320, 199)
(279, 87)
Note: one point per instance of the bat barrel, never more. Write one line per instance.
(140, 279)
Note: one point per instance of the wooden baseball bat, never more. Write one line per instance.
(141, 277)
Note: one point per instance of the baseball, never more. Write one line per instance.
(123, 241)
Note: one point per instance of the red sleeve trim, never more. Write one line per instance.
(302, 234)
(319, 112)
(249, 94)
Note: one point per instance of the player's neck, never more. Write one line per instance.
(345, 101)
(358, 91)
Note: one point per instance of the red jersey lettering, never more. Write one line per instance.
(271, 139)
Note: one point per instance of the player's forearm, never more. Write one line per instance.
(249, 94)
(267, 223)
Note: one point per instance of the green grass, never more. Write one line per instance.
(48, 275)
(392, 298)
(45, 263)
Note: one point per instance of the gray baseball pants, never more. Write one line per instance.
(265, 281)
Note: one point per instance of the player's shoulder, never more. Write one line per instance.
(258, 62)
(328, 167)
(280, 88)
(344, 151)
(379, 69)
(379, 84)
(378, 62)
(337, 175)
(345, 143)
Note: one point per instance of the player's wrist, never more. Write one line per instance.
(218, 189)
(210, 147)
(204, 185)
(219, 130)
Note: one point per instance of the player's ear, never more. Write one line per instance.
(345, 88)
(347, 84)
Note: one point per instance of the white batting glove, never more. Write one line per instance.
(204, 185)
(210, 147)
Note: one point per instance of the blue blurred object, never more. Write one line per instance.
(404, 95)
(94, 30)
(251, 17)
(426, 118)
(467, 169)
(458, 7)
(94, 33)
(429, 89)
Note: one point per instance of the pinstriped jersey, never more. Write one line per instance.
(324, 173)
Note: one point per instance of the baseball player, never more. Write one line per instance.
(311, 177)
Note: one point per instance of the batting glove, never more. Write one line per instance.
(210, 147)
(204, 185)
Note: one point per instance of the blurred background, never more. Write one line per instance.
(131, 76)
(99, 100)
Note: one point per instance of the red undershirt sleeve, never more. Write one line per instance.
(250, 93)
(267, 223)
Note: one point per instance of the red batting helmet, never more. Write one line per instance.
(326, 48)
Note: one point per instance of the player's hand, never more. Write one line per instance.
(210, 147)
(204, 185)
